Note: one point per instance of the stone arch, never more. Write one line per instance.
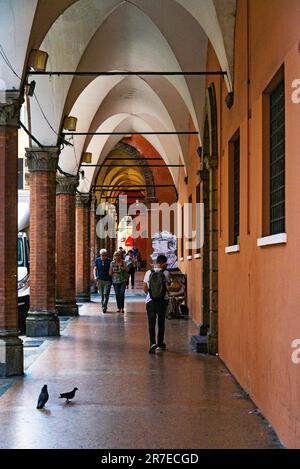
(147, 173)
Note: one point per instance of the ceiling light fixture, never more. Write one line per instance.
(37, 60)
(87, 157)
(70, 123)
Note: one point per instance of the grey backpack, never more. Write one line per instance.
(157, 285)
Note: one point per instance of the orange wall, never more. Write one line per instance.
(259, 288)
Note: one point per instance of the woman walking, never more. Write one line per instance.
(118, 271)
(130, 262)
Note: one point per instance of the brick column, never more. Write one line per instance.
(65, 245)
(149, 249)
(83, 247)
(11, 347)
(42, 319)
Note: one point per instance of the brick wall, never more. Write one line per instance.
(8, 227)
(82, 251)
(65, 247)
(42, 240)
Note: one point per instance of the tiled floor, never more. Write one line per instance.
(128, 398)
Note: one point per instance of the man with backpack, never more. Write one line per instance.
(156, 287)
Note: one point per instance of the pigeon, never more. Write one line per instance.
(43, 397)
(68, 395)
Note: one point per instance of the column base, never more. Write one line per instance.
(11, 354)
(83, 298)
(204, 328)
(42, 324)
(199, 343)
(65, 308)
(212, 344)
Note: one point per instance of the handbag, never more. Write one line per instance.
(175, 285)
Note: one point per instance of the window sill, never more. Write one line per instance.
(181, 259)
(189, 258)
(280, 238)
(197, 256)
(234, 248)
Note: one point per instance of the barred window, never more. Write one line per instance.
(190, 221)
(198, 220)
(182, 232)
(277, 160)
(234, 189)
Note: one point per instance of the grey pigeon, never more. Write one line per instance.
(68, 395)
(43, 397)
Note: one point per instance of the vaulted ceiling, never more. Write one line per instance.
(117, 35)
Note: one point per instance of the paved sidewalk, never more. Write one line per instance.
(128, 398)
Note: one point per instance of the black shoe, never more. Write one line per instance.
(104, 310)
(162, 346)
(153, 348)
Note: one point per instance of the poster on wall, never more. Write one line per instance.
(165, 243)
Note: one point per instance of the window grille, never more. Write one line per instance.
(236, 190)
(277, 160)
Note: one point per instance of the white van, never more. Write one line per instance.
(23, 258)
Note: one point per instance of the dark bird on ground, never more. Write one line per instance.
(68, 395)
(43, 397)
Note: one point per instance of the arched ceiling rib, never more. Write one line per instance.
(15, 25)
(137, 44)
(118, 35)
(100, 146)
(119, 100)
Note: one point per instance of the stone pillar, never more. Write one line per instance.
(65, 245)
(42, 319)
(11, 347)
(212, 335)
(93, 251)
(83, 247)
(149, 249)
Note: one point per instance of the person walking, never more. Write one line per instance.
(118, 271)
(102, 277)
(138, 259)
(130, 262)
(156, 283)
(122, 252)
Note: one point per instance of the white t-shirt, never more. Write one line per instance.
(146, 280)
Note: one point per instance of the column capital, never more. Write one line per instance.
(83, 200)
(42, 159)
(10, 105)
(151, 200)
(93, 203)
(66, 184)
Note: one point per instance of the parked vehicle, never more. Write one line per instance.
(23, 258)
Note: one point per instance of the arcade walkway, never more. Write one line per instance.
(127, 398)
